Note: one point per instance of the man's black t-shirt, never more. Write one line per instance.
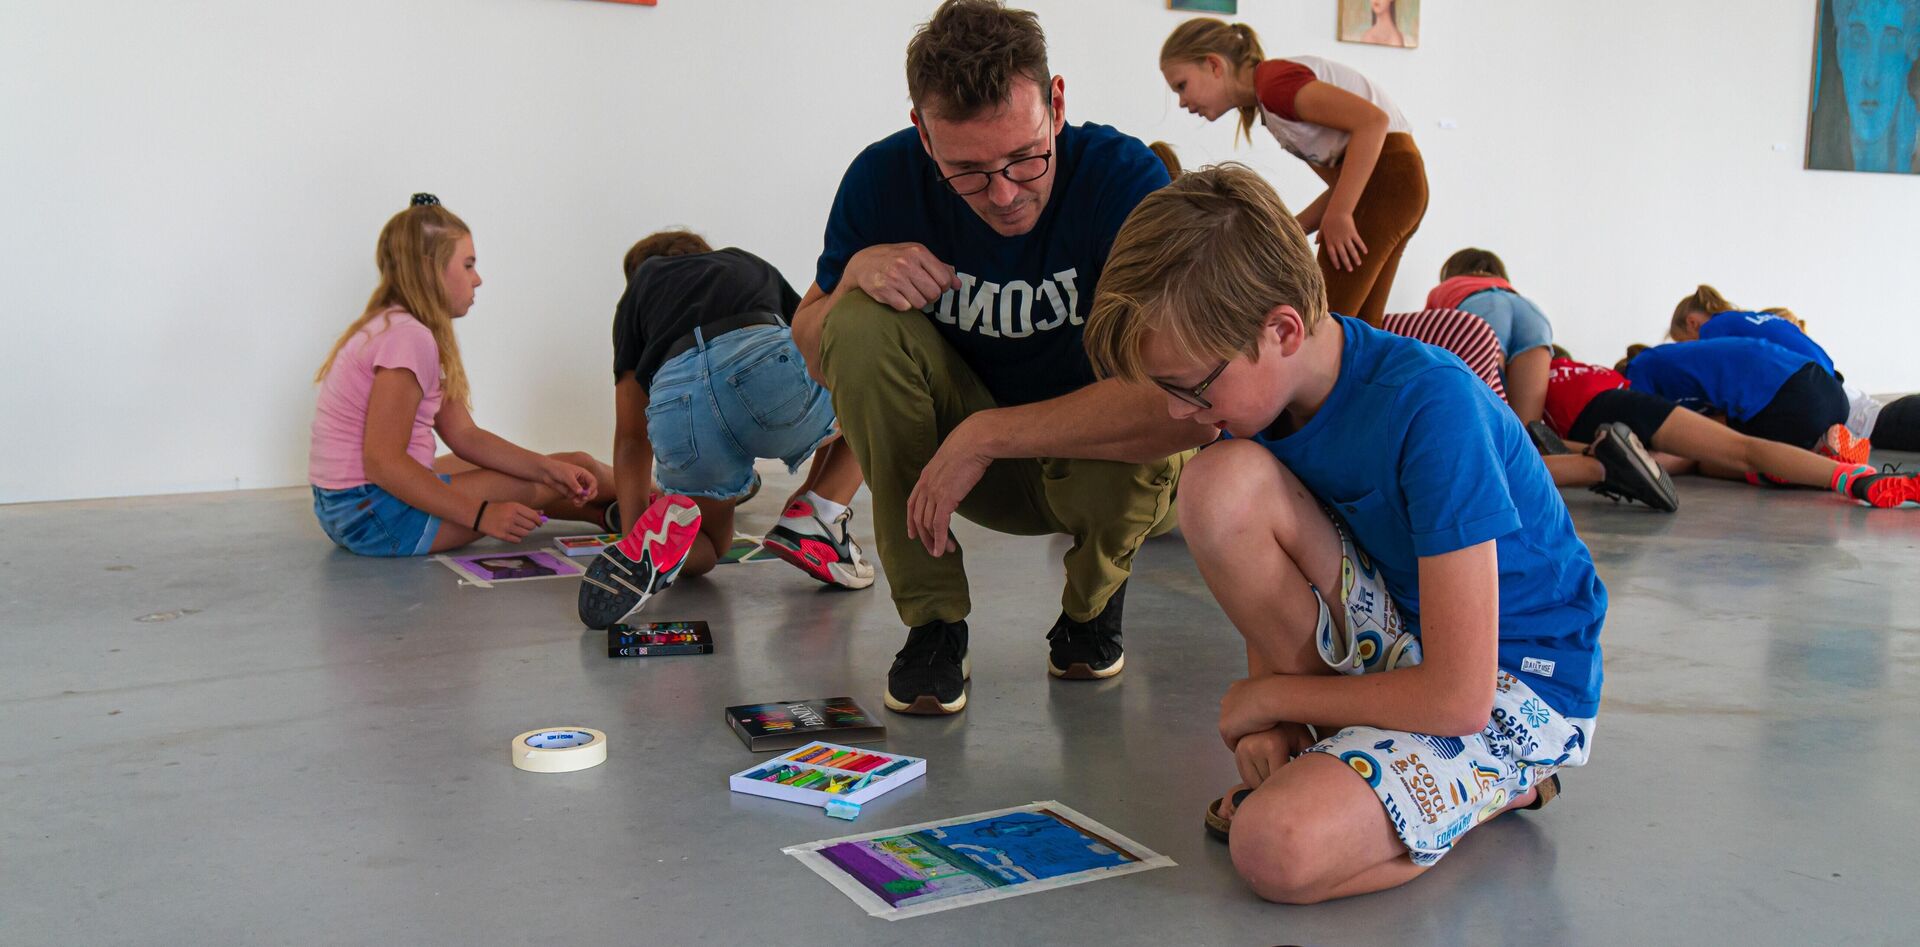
(669, 296)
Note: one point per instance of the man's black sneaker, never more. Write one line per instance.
(929, 675)
(1545, 441)
(1632, 473)
(1088, 650)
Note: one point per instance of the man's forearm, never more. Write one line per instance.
(1106, 420)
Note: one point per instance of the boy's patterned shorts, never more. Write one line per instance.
(1435, 788)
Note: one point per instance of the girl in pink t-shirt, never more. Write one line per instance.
(393, 379)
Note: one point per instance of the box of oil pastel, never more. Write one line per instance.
(819, 773)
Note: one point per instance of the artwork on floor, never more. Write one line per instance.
(746, 548)
(1866, 80)
(1205, 6)
(488, 569)
(934, 866)
(1380, 22)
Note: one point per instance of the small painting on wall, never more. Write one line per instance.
(1866, 80)
(1380, 22)
(1205, 6)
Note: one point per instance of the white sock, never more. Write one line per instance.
(827, 510)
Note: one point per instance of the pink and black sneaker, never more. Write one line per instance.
(629, 572)
(821, 549)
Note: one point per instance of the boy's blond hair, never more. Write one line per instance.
(1202, 260)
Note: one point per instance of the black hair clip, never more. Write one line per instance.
(423, 199)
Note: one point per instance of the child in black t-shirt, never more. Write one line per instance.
(706, 381)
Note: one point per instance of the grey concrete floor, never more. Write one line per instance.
(312, 749)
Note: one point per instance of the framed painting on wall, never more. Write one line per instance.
(1861, 112)
(1380, 22)
(1205, 6)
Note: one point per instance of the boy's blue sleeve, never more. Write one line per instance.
(1453, 472)
(850, 224)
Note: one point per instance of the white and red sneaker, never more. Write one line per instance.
(821, 549)
(629, 572)
(1843, 445)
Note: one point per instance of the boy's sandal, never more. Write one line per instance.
(1548, 791)
(1217, 824)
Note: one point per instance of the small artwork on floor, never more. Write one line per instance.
(1205, 6)
(488, 569)
(935, 866)
(1380, 22)
(746, 548)
(1866, 81)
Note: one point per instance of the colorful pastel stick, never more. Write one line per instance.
(813, 776)
(808, 756)
(871, 763)
(795, 776)
(838, 758)
(897, 764)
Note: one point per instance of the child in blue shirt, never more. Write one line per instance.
(1764, 390)
(1379, 530)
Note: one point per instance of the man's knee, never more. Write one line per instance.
(857, 330)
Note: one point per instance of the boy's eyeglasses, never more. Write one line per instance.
(1193, 396)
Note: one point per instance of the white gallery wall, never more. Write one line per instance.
(190, 191)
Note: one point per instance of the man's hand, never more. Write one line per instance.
(946, 480)
(901, 275)
(1243, 710)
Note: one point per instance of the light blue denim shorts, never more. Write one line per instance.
(717, 407)
(1520, 324)
(368, 521)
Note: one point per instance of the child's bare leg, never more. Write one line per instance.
(834, 474)
(1574, 470)
(1728, 454)
(1259, 539)
(1527, 375)
(716, 534)
(490, 485)
(1316, 831)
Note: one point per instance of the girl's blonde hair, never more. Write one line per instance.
(1202, 260)
(1787, 314)
(414, 249)
(1704, 299)
(1235, 43)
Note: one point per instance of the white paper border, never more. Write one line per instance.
(809, 855)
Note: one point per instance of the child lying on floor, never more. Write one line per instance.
(393, 379)
(1592, 404)
(1382, 534)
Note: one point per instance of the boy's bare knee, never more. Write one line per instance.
(1223, 487)
(1276, 852)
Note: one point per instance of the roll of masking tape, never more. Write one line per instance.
(558, 749)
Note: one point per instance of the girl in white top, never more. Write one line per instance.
(1343, 126)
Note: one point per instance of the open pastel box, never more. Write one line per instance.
(819, 773)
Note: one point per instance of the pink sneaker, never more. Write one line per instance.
(628, 573)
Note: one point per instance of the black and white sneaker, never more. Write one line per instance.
(929, 675)
(1632, 473)
(1545, 441)
(1088, 650)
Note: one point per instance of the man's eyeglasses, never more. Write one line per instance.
(1193, 396)
(1019, 171)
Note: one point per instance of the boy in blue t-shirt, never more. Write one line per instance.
(1381, 532)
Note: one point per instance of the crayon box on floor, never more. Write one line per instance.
(819, 773)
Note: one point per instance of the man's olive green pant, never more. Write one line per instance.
(899, 389)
